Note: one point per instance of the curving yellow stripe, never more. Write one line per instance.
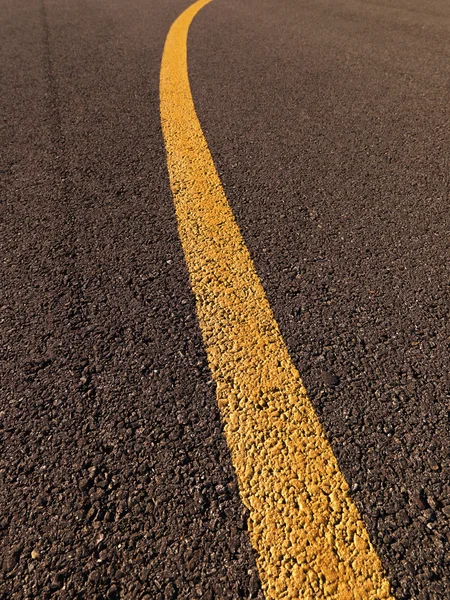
(310, 539)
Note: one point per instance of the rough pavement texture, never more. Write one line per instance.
(310, 540)
(328, 123)
(332, 146)
(115, 475)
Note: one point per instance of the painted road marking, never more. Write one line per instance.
(308, 534)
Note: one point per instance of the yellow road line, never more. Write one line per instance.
(308, 534)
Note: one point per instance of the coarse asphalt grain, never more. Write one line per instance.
(116, 478)
(328, 122)
(309, 538)
(333, 149)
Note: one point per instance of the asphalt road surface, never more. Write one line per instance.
(328, 122)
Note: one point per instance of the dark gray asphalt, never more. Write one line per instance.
(333, 146)
(113, 464)
(329, 124)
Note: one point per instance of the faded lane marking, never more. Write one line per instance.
(308, 534)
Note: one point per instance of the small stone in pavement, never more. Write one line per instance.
(329, 378)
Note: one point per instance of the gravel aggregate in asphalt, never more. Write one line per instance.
(333, 151)
(328, 123)
(115, 476)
